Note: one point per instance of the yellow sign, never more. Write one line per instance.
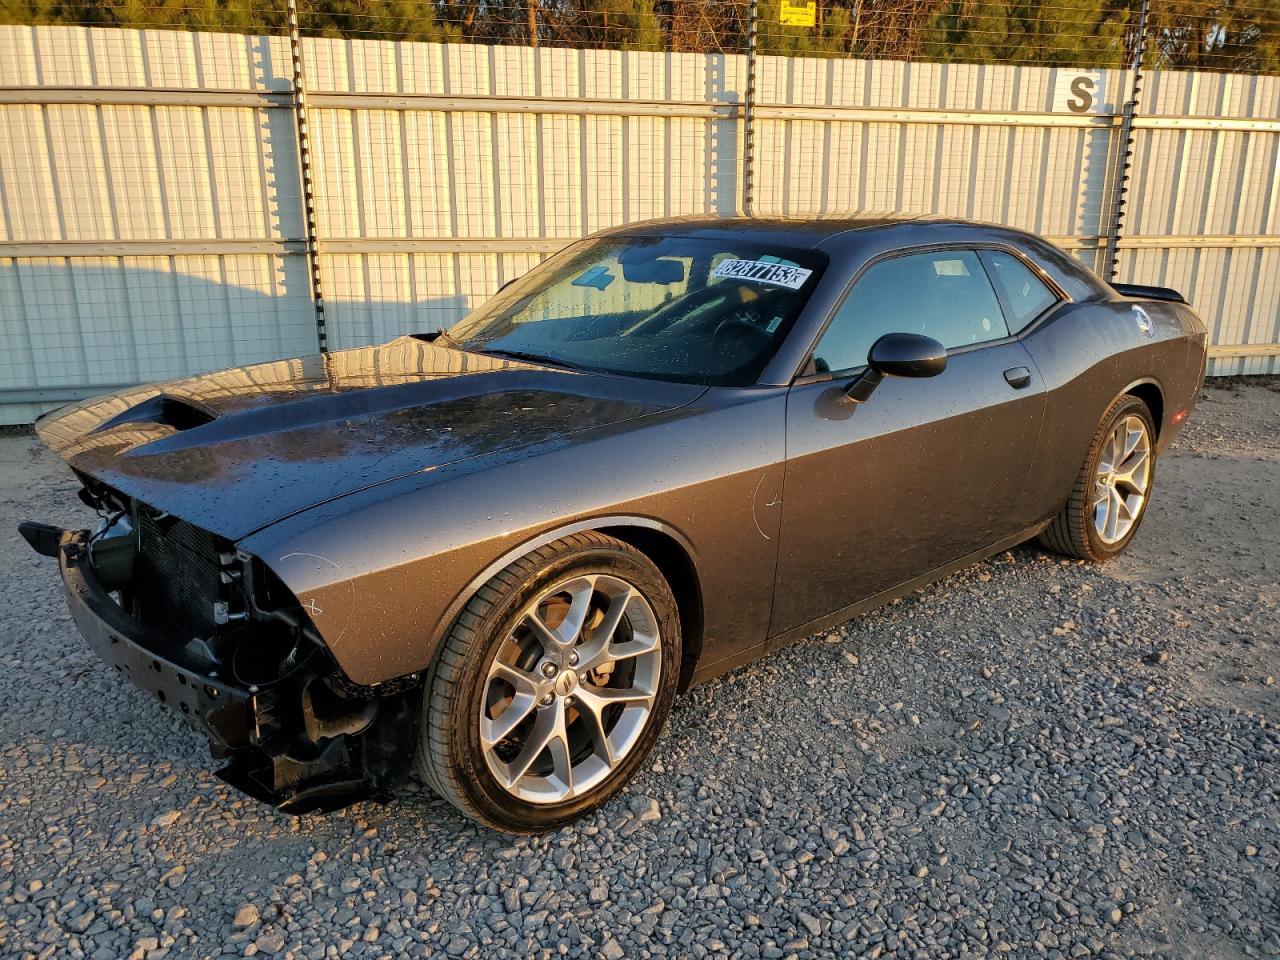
(798, 14)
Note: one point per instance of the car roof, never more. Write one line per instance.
(803, 232)
(855, 238)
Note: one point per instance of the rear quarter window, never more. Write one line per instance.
(1023, 294)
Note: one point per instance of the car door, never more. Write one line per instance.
(925, 471)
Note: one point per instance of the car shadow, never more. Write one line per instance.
(78, 327)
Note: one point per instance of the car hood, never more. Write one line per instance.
(236, 450)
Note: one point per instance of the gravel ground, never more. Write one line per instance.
(1032, 758)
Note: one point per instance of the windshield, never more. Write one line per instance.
(673, 308)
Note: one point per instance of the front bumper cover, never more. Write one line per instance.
(262, 733)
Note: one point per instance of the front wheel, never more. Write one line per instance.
(552, 685)
(1111, 493)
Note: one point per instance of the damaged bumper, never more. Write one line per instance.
(303, 742)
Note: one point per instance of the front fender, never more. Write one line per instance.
(383, 572)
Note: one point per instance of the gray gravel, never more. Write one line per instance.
(1033, 758)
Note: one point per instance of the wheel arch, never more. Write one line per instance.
(1150, 392)
(663, 545)
(676, 565)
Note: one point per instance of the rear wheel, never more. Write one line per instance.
(552, 685)
(1111, 493)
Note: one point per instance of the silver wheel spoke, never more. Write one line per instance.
(1101, 507)
(592, 716)
(1122, 510)
(596, 650)
(561, 762)
(1111, 456)
(613, 616)
(548, 726)
(630, 649)
(1133, 472)
(520, 680)
(581, 591)
(597, 698)
(1133, 433)
(1120, 515)
(1132, 505)
(500, 727)
(603, 649)
(1105, 460)
(566, 632)
(546, 636)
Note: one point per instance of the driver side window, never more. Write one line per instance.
(944, 294)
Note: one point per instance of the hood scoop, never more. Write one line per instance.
(163, 410)
(183, 414)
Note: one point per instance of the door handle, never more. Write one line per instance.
(1018, 377)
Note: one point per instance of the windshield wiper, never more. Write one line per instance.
(531, 358)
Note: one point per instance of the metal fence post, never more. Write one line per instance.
(1124, 155)
(308, 184)
(748, 112)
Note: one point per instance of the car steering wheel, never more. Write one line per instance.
(672, 314)
(744, 330)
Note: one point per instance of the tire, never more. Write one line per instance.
(497, 668)
(1079, 529)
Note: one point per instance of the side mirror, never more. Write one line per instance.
(898, 355)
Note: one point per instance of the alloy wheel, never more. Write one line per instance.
(1122, 478)
(570, 688)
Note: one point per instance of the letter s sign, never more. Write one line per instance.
(1081, 100)
(1079, 93)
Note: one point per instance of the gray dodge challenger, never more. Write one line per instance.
(493, 555)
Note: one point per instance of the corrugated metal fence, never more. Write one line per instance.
(153, 214)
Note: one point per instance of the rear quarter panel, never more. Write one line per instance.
(1091, 353)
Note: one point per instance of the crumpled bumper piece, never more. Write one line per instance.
(260, 733)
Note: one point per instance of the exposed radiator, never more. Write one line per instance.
(175, 577)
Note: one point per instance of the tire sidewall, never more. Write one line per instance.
(1130, 407)
(476, 780)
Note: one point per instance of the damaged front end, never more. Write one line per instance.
(214, 635)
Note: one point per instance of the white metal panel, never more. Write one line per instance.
(425, 139)
(103, 57)
(218, 177)
(26, 177)
(86, 321)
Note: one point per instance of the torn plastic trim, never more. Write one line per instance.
(299, 743)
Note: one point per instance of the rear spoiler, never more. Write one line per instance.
(1139, 292)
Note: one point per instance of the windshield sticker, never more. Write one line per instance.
(598, 277)
(760, 271)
